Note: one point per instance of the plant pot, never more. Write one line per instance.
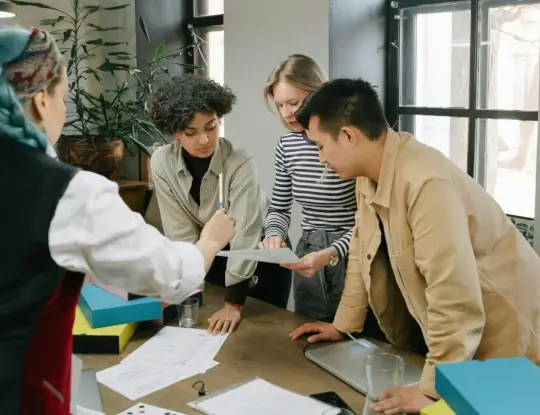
(80, 153)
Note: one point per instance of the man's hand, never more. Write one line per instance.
(324, 332)
(406, 399)
(225, 320)
(311, 263)
(272, 242)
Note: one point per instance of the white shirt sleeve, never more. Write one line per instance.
(94, 232)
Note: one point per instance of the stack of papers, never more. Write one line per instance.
(172, 355)
(259, 397)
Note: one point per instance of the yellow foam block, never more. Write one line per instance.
(438, 408)
(111, 340)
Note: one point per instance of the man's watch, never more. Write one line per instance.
(334, 257)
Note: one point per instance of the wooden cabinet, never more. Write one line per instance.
(134, 193)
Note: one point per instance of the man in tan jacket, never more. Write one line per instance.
(431, 248)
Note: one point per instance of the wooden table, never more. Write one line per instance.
(260, 347)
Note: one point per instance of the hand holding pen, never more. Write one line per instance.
(221, 204)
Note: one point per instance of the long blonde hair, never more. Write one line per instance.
(298, 70)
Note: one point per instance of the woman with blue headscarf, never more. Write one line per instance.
(59, 223)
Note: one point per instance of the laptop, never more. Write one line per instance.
(346, 361)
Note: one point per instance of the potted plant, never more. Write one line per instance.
(104, 123)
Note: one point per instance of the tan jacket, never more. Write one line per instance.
(457, 264)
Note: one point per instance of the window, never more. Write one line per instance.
(208, 7)
(464, 78)
(211, 57)
(206, 28)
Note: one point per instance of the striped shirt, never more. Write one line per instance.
(328, 205)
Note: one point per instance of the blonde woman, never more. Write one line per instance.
(328, 203)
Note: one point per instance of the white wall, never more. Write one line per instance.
(259, 34)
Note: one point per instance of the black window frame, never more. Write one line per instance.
(199, 23)
(476, 113)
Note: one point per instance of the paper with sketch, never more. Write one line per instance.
(259, 397)
(134, 380)
(192, 348)
(274, 256)
(172, 355)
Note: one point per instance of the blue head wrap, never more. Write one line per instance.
(29, 60)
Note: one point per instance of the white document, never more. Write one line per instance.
(274, 256)
(143, 408)
(76, 370)
(135, 381)
(172, 355)
(262, 398)
(193, 348)
(86, 411)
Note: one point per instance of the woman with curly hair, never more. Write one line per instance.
(186, 177)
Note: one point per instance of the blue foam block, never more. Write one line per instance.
(491, 387)
(103, 309)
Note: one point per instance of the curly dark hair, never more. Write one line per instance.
(173, 104)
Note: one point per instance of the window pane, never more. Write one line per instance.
(435, 47)
(509, 57)
(510, 163)
(208, 7)
(211, 57)
(446, 134)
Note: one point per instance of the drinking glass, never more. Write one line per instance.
(384, 371)
(188, 311)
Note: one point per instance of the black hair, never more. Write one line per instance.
(174, 104)
(343, 102)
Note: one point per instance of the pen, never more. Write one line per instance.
(221, 205)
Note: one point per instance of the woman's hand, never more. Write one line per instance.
(311, 263)
(406, 399)
(272, 242)
(225, 320)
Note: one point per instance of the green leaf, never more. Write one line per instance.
(158, 53)
(95, 42)
(122, 6)
(91, 9)
(51, 22)
(121, 53)
(114, 43)
(94, 73)
(113, 66)
(67, 35)
(98, 28)
(35, 4)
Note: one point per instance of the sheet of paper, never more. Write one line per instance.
(172, 355)
(135, 380)
(262, 398)
(76, 370)
(274, 256)
(86, 411)
(193, 348)
(143, 408)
